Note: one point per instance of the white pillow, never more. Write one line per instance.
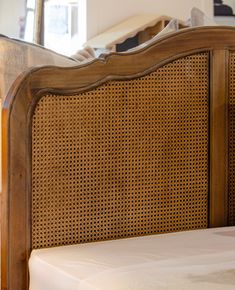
(88, 53)
(199, 18)
(172, 26)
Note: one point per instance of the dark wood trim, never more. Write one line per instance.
(219, 139)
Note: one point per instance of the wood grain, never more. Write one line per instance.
(23, 98)
(219, 139)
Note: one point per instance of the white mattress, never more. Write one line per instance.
(194, 260)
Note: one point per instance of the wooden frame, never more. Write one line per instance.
(39, 22)
(27, 91)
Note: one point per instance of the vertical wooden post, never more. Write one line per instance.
(39, 22)
(219, 139)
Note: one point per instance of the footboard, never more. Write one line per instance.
(128, 145)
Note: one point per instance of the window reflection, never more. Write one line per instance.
(61, 25)
(29, 22)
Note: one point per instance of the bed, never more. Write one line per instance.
(197, 259)
(123, 165)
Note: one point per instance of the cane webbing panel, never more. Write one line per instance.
(231, 171)
(128, 158)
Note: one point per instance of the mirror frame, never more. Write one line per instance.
(38, 22)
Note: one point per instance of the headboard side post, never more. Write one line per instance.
(219, 139)
(15, 231)
(4, 206)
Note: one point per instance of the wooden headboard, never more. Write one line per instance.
(127, 145)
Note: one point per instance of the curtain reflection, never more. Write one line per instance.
(30, 18)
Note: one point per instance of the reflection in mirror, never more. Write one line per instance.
(61, 25)
(29, 22)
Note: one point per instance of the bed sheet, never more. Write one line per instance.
(191, 260)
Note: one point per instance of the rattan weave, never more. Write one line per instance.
(231, 172)
(125, 159)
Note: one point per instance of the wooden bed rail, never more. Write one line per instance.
(126, 145)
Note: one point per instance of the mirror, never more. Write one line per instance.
(59, 31)
(33, 21)
(59, 25)
(56, 24)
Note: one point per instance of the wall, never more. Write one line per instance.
(101, 14)
(10, 12)
(231, 3)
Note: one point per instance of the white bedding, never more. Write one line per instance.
(194, 260)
